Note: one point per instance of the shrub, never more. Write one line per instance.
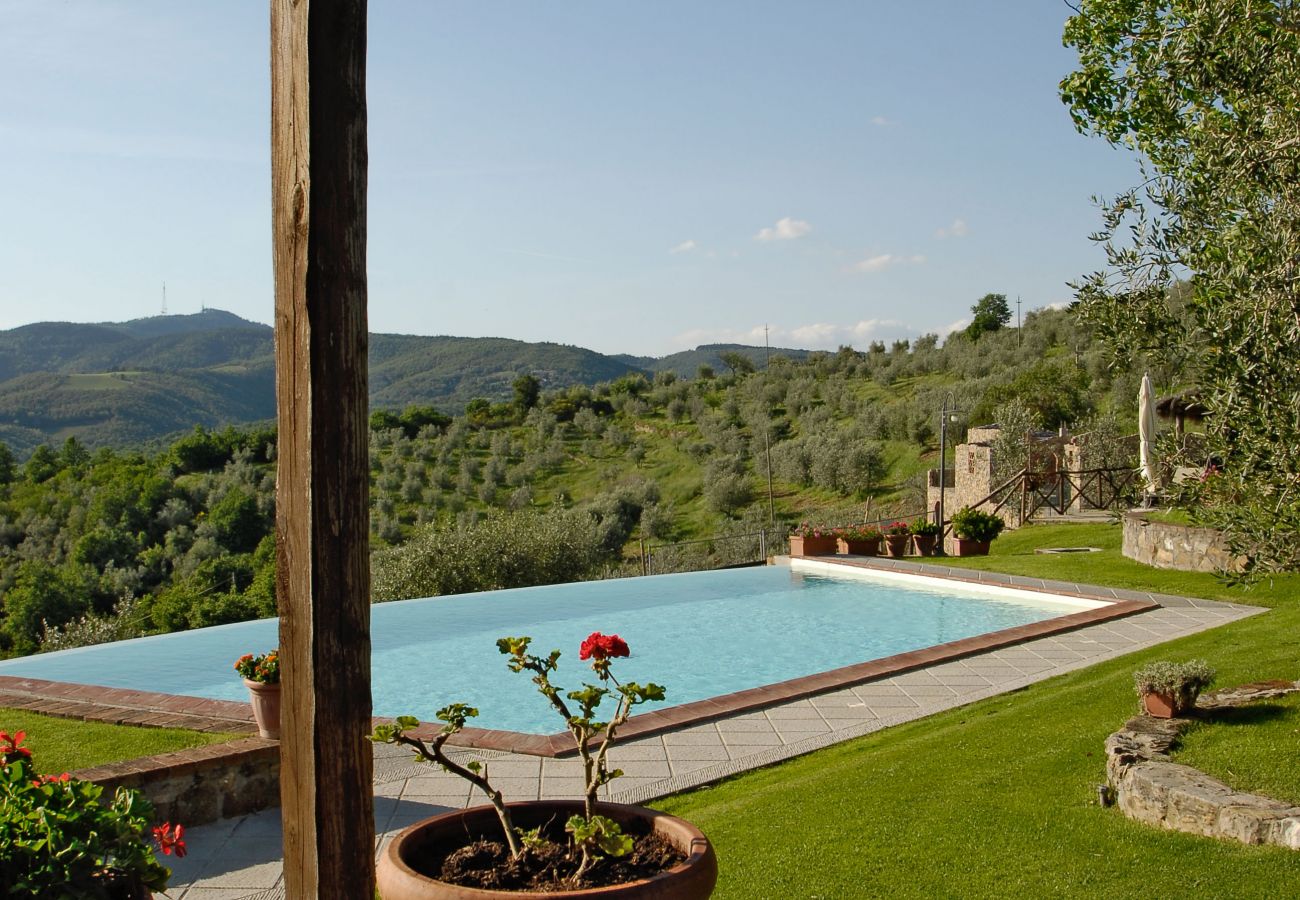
(973, 525)
(1183, 681)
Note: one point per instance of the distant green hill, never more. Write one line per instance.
(687, 362)
(117, 384)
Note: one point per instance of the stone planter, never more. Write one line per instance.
(967, 547)
(399, 878)
(266, 707)
(812, 546)
(925, 544)
(896, 544)
(858, 548)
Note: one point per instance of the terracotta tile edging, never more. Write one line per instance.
(237, 715)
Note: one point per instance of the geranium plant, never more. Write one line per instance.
(858, 533)
(59, 839)
(593, 835)
(897, 529)
(264, 669)
(809, 530)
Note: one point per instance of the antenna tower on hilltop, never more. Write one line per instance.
(164, 306)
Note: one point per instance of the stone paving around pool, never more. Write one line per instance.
(241, 858)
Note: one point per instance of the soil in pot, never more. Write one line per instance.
(487, 864)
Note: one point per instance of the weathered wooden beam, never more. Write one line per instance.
(319, 160)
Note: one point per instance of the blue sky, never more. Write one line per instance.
(627, 177)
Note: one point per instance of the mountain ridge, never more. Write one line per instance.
(126, 383)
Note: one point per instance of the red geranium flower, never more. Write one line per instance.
(9, 746)
(603, 646)
(170, 838)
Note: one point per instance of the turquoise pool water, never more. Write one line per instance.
(699, 634)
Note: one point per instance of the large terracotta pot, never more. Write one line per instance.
(967, 547)
(924, 544)
(693, 879)
(897, 544)
(1164, 706)
(812, 546)
(266, 707)
(858, 548)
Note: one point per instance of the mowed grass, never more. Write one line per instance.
(63, 745)
(1014, 554)
(998, 798)
(1252, 748)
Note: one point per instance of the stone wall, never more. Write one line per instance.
(1151, 788)
(1167, 546)
(201, 784)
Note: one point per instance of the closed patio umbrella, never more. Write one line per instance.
(1147, 433)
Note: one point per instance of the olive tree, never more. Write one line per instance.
(1207, 93)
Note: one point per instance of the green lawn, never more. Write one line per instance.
(1252, 748)
(62, 745)
(998, 799)
(1013, 553)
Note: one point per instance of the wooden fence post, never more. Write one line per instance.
(318, 174)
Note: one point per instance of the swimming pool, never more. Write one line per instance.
(700, 634)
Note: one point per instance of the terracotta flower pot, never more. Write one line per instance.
(897, 544)
(1163, 706)
(858, 548)
(967, 547)
(812, 546)
(692, 879)
(924, 544)
(266, 707)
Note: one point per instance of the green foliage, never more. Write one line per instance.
(509, 549)
(1208, 95)
(974, 525)
(61, 840)
(1182, 680)
(990, 313)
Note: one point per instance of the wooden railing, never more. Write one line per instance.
(1026, 493)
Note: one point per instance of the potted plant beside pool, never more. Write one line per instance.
(1170, 689)
(812, 540)
(61, 839)
(973, 531)
(925, 535)
(857, 540)
(573, 848)
(261, 676)
(897, 536)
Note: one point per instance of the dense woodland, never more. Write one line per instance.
(548, 486)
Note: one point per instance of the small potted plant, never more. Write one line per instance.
(574, 847)
(812, 540)
(897, 537)
(973, 530)
(857, 540)
(925, 535)
(60, 839)
(261, 676)
(1170, 689)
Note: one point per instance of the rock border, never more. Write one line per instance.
(1150, 787)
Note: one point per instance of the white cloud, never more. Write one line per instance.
(684, 247)
(885, 261)
(958, 229)
(881, 121)
(786, 229)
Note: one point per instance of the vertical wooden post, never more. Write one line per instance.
(318, 168)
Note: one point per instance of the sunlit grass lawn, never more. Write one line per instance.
(998, 798)
(62, 745)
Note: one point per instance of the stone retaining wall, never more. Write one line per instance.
(1151, 788)
(201, 784)
(1181, 547)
